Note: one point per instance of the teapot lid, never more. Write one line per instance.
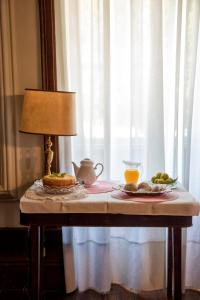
(87, 161)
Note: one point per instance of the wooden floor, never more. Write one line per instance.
(119, 293)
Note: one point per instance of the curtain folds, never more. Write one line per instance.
(135, 67)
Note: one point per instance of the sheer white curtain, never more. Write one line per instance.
(135, 67)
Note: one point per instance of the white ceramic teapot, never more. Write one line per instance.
(85, 174)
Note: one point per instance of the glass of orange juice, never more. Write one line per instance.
(132, 171)
(131, 175)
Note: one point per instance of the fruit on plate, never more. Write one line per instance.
(144, 186)
(163, 178)
(130, 187)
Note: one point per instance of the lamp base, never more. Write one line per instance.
(49, 155)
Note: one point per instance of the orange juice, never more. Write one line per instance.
(131, 175)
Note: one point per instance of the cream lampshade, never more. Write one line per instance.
(49, 113)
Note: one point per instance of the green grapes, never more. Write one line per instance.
(163, 178)
(153, 179)
(158, 175)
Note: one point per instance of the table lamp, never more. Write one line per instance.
(48, 113)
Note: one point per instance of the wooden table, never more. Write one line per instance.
(99, 217)
(173, 223)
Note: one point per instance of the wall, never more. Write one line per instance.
(21, 155)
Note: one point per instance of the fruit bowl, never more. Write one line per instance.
(164, 179)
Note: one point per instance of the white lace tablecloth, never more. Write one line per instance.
(36, 200)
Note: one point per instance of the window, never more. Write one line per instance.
(132, 64)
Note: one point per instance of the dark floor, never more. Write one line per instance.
(119, 293)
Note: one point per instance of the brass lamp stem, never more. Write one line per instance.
(49, 155)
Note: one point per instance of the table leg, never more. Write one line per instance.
(177, 263)
(169, 263)
(35, 261)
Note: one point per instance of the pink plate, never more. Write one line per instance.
(145, 198)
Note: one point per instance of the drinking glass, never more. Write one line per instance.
(132, 171)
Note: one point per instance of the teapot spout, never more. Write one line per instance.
(76, 168)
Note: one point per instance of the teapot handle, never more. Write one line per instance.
(102, 167)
